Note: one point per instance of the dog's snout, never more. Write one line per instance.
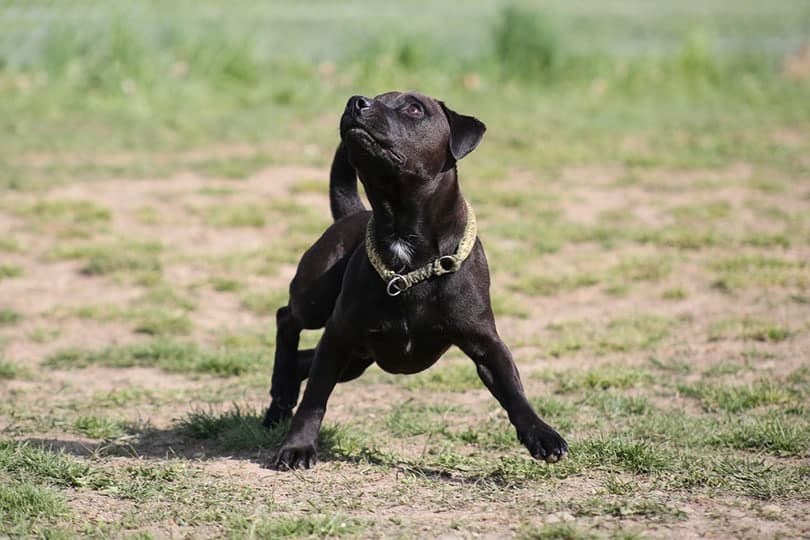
(358, 104)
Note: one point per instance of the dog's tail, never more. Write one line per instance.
(343, 196)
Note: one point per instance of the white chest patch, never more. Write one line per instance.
(402, 251)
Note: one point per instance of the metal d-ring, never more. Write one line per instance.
(448, 263)
(394, 288)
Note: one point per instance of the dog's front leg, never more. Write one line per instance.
(299, 448)
(500, 375)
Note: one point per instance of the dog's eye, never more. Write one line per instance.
(414, 109)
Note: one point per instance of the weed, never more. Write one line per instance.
(9, 245)
(9, 317)
(745, 271)
(738, 397)
(223, 284)
(10, 271)
(9, 370)
(74, 212)
(677, 293)
(525, 43)
(319, 526)
(168, 355)
(127, 257)
(773, 433)
(24, 504)
(266, 303)
(748, 328)
(243, 215)
(446, 378)
(410, 419)
(98, 427)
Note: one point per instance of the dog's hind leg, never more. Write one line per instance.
(289, 369)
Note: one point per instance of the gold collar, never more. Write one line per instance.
(396, 283)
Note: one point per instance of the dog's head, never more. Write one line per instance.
(399, 134)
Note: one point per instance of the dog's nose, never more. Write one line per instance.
(358, 104)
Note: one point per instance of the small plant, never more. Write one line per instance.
(526, 44)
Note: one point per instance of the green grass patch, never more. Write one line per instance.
(554, 531)
(9, 317)
(603, 378)
(446, 378)
(684, 237)
(171, 356)
(160, 322)
(748, 329)
(8, 271)
(98, 427)
(617, 405)
(411, 418)
(675, 293)
(623, 334)
(224, 284)
(550, 285)
(317, 526)
(235, 215)
(126, 258)
(508, 305)
(701, 212)
(241, 429)
(9, 370)
(9, 245)
(68, 212)
(265, 304)
(30, 463)
(774, 433)
(737, 398)
(24, 506)
(757, 270)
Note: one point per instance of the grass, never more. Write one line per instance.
(738, 397)
(639, 196)
(23, 504)
(748, 329)
(446, 378)
(244, 215)
(745, 271)
(265, 304)
(9, 317)
(321, 526)
(171, 356)
(68, 212)
(8, 271)
(622, 334)
(135, 258)
(8, 370)
(98, 427)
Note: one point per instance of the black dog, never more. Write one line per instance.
(400, 284)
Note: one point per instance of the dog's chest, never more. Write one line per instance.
(400, 346)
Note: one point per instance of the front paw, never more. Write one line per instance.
(275, 416)
(544, 443)
(294, 455)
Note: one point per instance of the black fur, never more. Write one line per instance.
(404, 148)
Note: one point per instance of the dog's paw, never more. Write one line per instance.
(275, 416)
(545, 443)
(295, 456)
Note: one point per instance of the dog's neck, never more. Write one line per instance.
(412, 229)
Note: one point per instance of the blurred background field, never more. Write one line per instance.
(643, 192)
(101, 77)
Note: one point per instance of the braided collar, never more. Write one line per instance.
(397, 283)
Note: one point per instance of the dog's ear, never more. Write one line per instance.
(465, 132)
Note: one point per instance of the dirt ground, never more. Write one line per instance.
(752, 327)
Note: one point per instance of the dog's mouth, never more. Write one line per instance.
(372, 144)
